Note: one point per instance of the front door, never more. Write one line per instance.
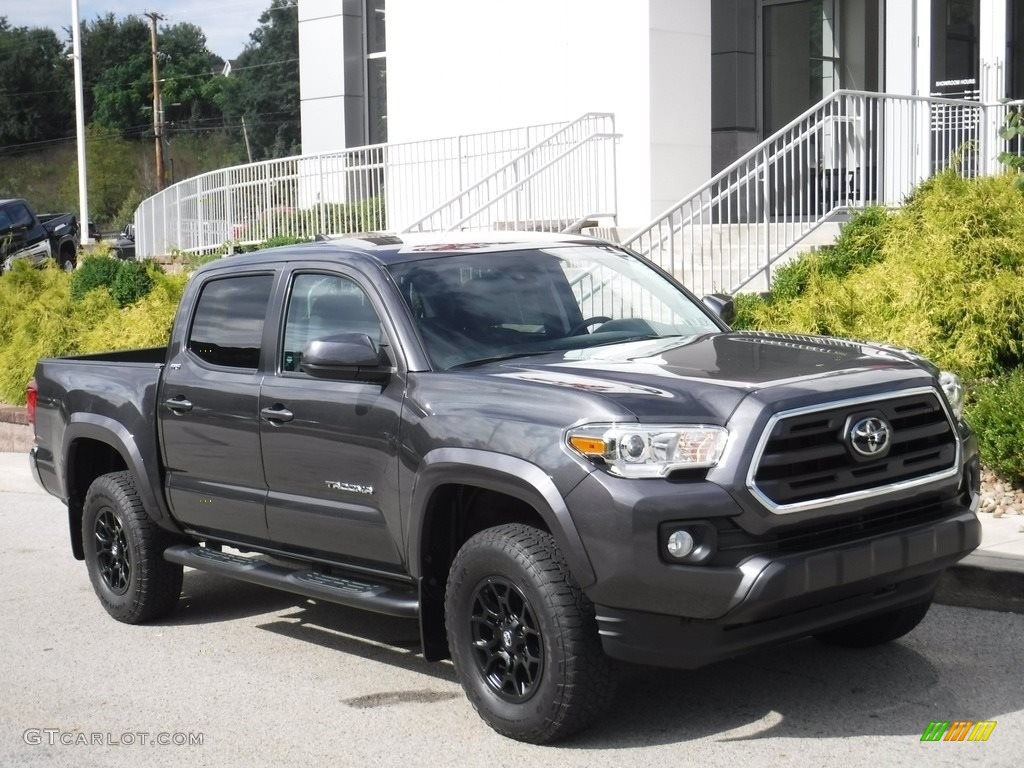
(330, 448)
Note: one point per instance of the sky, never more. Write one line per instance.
(227, 23)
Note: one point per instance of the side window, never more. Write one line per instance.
(324, 305)
(228, 325)
(20, 216)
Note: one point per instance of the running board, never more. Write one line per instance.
(353, 592)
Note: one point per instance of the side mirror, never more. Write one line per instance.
(345, 357)
(721, 304)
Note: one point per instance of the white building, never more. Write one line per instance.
(693, 84)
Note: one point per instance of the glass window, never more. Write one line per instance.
(321, 306)
(20, 216)
(480, 306)
(228, 325)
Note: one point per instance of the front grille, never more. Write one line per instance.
(807, 457)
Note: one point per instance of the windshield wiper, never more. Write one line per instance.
(499, 358)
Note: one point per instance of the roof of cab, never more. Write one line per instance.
(392, 249)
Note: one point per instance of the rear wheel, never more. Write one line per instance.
(523, 636)
(124, 552)
(67, 258)
(879, 629)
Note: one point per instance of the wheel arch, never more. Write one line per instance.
(96, 445)
(462, 491)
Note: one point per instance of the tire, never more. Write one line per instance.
(124, 553)
(875, 630)
(66, 259)
(510, 590)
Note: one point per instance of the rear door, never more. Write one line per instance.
(330, 448)
(209, 409)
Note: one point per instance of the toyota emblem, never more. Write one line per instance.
(870, 437)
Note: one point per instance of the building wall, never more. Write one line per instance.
(321, 75)
(462, 66)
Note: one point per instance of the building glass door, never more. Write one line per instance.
(955, 48)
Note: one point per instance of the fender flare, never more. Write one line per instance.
(103, 429)
(504, 474)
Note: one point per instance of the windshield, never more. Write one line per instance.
(477, 307)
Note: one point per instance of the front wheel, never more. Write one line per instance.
(124, 552)
(523, 636)
(879, 629)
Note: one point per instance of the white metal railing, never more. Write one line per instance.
(378, 187)
(554, 185)
(850, 150)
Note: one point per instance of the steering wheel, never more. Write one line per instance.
(589, 322)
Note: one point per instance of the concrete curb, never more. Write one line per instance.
(13, 414)
(993, 581)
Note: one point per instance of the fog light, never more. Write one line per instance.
(680, 544)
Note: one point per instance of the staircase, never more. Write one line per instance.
(558, 184)
(783, 197)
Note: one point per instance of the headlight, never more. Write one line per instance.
(649, 450)
(954, 390)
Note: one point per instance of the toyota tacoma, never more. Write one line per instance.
(542, 448)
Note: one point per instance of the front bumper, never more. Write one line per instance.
(798, 595)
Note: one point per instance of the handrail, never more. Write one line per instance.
(518, 185)
(511, 165)
(329, 193)
(851, 149)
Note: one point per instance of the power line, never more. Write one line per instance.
(162, 80)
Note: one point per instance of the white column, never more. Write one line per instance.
(992, 65)
(992, 50)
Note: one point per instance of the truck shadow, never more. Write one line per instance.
(807, 690)
(949, 668)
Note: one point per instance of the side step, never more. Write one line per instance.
(356, 593)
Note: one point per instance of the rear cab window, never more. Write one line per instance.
(227, 327)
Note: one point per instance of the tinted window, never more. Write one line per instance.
(20, 216)
(228, 324)
(321, 306)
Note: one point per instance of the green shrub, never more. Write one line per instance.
(997, 414)
(944, 276)
(132, 282)
(94, 272)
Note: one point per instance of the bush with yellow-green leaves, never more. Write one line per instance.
(943, 276)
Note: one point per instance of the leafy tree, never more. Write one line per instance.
(35, 86)
(116, 56)
(264, 84)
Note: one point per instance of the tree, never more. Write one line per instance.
(117, 60)
(264, 84)
(34, 85)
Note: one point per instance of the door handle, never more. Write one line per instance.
(178, 404)
(277, 415)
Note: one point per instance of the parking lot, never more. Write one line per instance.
(262, 677)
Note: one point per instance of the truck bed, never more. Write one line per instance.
(80, 396)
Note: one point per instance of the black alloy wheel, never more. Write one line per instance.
(507, 643)
(112, 553)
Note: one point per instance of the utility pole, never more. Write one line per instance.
(83, 186)
(245, 132)
(158, 118)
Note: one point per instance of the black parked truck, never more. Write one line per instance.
(540, 447)
(36, 238)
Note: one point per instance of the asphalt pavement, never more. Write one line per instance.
(265, 678)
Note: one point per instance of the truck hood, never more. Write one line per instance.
(706, 377)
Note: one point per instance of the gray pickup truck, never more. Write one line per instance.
(540, 447)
